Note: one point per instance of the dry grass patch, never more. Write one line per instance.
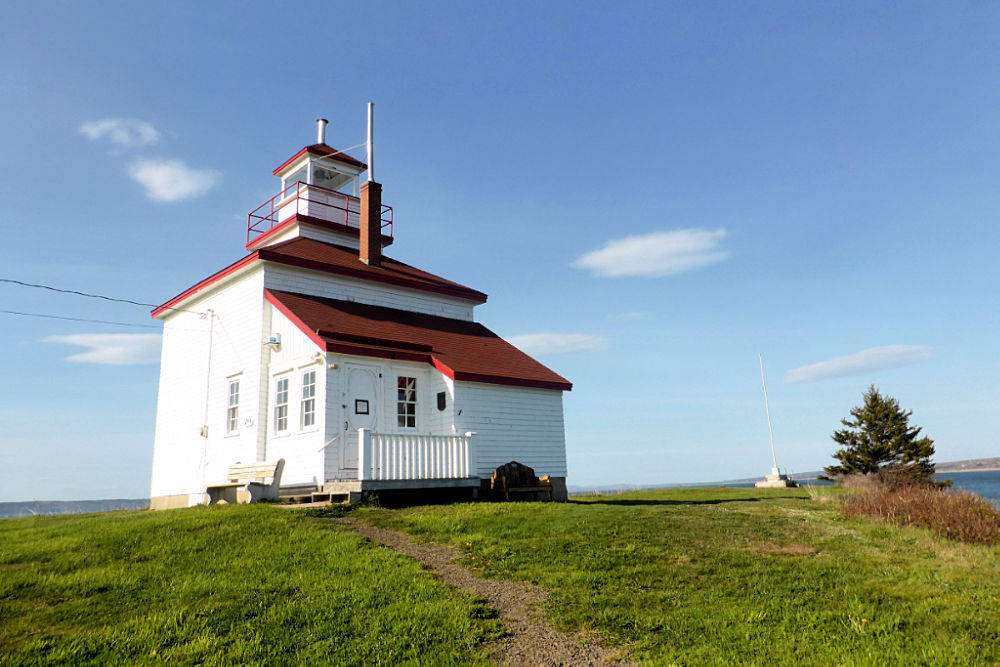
(957, 515)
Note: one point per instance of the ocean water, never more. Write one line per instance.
(983, 482)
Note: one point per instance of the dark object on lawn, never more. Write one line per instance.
(518, 479)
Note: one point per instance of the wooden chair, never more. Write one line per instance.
(517, 478)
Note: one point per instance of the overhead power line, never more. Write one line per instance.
(93, 296)
(73, 291)
(80, 319)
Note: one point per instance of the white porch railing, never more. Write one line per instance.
(405, 456)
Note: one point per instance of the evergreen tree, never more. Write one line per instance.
(879, 439)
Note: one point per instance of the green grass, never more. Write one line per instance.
(713, 576)
(687, 576)
(222, 585)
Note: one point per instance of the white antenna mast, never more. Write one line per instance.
(770, 431)
(371, 159)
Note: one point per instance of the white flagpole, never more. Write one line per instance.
(770, 431)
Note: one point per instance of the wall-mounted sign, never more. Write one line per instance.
(247, 422)
(360, 407)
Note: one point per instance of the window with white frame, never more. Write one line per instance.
(281, 405)
(406, 402)
(308, 399)
(300, 176)
(233, 407)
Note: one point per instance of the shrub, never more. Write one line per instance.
(957, 515)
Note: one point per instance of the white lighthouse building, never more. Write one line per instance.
(363, 373)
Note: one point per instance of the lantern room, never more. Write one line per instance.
(322, 166)
(320, 187)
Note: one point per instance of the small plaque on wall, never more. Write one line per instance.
(360, 407)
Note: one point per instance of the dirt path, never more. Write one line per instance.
(534, 641)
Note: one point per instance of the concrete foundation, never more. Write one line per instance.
(776, 480)
(177, 501)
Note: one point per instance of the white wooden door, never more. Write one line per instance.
(361, 407)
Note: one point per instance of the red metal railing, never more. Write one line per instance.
(304, 199)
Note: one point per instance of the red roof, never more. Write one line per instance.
(328, 258)
(313, 254)
(322, 150)
(460, 349)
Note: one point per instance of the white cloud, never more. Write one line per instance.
(556, 343)
(656, 254)
(121, 131)
(171, 180)
(118, 349)
(635, 316)
(859, 363)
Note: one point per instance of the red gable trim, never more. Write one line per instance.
(447, 372)
(322, 150)
(279, 258)
(309, 220)
(204, 284)
(310, 334)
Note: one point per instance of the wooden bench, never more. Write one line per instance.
(252, 477)
(517, 478)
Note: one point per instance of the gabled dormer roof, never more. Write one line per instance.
(460, 349)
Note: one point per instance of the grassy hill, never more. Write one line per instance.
(693, 576)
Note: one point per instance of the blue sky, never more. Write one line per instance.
(652, 194)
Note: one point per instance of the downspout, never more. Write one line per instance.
(208, 394)
(265, 382)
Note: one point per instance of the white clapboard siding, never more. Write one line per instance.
(513, 424)
(183, 460)
(295, 230)
(439, 421)
(303, 281)
(301, 446)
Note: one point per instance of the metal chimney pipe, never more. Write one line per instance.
(371, 162)
(321, 130)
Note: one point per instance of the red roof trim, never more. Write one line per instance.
(310, 220)
(204, 284)
(273, 256)
(450, 374)
(310, 334)
(323, 150)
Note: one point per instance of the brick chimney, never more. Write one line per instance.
(371, 223)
